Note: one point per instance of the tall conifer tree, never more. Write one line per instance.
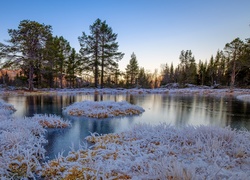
(26, 45)
(132, 69)
(100, 49)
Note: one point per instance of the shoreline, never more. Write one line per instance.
(240, 94)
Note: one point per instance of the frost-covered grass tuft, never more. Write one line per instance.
(21, 143)
(50, 121)
(159, 152)
(102, 109)
(6, 106)
(21, 147)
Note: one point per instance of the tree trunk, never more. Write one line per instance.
(233, 74)
(61, 77)
(102, 73)
(31, 73)
(102, 63)
(96, 73)
(96, 62)
(61, 84)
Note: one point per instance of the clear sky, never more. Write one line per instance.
(155, 30)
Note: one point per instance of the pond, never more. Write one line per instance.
(177, 110)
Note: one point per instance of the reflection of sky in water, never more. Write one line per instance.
(175, 110)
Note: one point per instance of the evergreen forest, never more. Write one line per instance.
(43, 60)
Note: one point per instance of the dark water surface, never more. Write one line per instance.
(176, 110)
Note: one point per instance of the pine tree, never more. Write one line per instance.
(234, 51)
(187, 68)
(220, 67)
(171, 73)
(143, 78)
(25, 47)
(49, 66)
(100, 49)
(243, 76)
(72, 67)
(62, 56)
(132, 69)
(211, 70)
(165, 75)
(109, 50)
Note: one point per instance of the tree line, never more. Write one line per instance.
(229, 67)
(47, 61)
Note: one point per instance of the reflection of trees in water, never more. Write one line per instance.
(224, 111)
(66, 100)
(130, 98)
(33, 105)
(182, 111)
(238, 114)
(135, 98)
(188, 109)
(46, 104)
(176, 109)
(198, 110)
(246, 110)
(217, 108)
(101, 126)
(98, 97)
(218, 111)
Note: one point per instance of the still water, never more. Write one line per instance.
(176, 110)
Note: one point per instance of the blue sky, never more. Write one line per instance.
(155, 30)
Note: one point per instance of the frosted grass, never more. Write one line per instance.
(159, 152)
(6, 108)
(144, 152)
(51, 121)
(102, 109)
(197, 90)
(21, 147)
(21, 142)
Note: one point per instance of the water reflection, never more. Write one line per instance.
(176, 110)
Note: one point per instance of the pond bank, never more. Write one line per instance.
(195, 90)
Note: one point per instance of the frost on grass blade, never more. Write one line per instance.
(102, 109)
(6, 107)
(158, 152)
(21, 142)
(21, 148)
(51, 121)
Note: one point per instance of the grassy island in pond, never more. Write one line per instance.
(102, 109)
(51, 121)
